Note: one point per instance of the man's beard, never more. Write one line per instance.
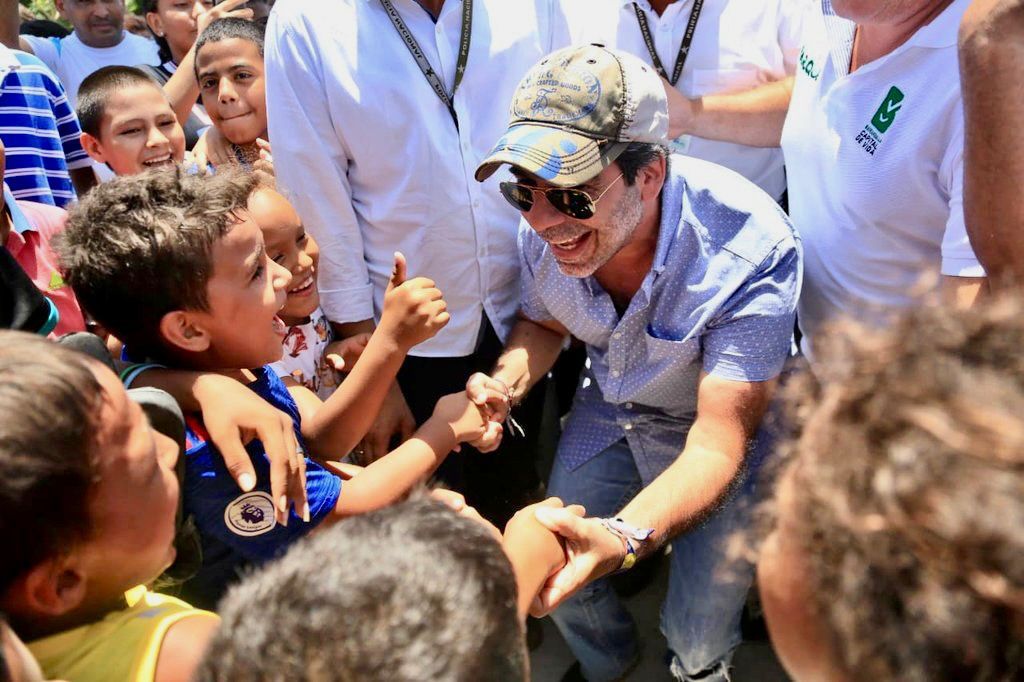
(610, 239)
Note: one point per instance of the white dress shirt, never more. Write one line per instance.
(737, 45)
(374, 164)
(875, 161)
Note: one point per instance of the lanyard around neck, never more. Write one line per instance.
(684, 47)
(421, 59)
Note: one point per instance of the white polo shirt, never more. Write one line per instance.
(876, 172)
(371, 159)
(737, 45)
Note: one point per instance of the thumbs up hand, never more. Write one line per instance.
(414, 310)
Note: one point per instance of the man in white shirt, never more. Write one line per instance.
(378, 155)
(708, 47)
(98, 40)
(873, 143)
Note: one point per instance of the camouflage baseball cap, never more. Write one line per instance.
(576, 111)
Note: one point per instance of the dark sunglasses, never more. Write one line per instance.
(573, 202)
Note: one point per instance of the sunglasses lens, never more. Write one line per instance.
(520, 197)
(572, 202)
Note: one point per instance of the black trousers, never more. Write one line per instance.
(497, 483)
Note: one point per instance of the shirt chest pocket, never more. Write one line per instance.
(665, 353)
(670, 373)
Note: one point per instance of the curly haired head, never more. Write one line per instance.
(139, 247)
(907, 495)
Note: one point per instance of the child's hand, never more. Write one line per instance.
(225, 9)
(343, 354)
(414, 310)
(264, 165)
(466, 420)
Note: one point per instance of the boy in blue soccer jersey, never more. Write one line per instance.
(174, 265)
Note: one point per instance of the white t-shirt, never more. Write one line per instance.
(304, 356)
(72, 60)
(737, 45)
(875, 163)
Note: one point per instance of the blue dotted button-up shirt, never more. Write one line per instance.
(720, 296)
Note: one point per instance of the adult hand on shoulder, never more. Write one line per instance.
(591, 552)
(233, 416)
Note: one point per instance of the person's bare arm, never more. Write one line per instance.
(753, 117)
(534, 551)
(10, 21)
(991, 58)
(414, 311)
(455, 420)
(183, 647)
(728, 415)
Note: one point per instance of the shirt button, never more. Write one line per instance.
(627, 426)
(476, 203)
(617, 335)
(616, 372)
(629, 406)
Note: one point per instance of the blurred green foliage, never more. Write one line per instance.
(44, 9)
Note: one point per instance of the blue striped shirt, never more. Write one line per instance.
(39, 130)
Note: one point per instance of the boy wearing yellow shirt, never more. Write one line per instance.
(88, 502)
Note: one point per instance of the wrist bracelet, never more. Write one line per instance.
(512, 423)
(627, 534)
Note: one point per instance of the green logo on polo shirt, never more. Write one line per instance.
(56, 281)
(808, 66)
(886, 113)
(871, 136)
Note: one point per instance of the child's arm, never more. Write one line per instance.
(535, 551)
(183, 647)
(414, 311)
(455, 420)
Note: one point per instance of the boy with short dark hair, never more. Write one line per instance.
(88, 502)
(127, 121)
(175, 266)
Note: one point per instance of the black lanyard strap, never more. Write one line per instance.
(421, 59)
(684, 47)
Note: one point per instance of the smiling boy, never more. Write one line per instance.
(175, 266)
(127, 121)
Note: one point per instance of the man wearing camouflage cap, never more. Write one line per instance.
(681, 277)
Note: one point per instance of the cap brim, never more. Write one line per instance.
(560, 157)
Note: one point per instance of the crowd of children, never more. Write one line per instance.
(895, 544)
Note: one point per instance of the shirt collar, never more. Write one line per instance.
(18, 219)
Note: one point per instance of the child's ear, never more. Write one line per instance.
(182, 330)
(53, 588)
(93, 147)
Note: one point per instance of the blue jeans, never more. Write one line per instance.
(701, 614)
